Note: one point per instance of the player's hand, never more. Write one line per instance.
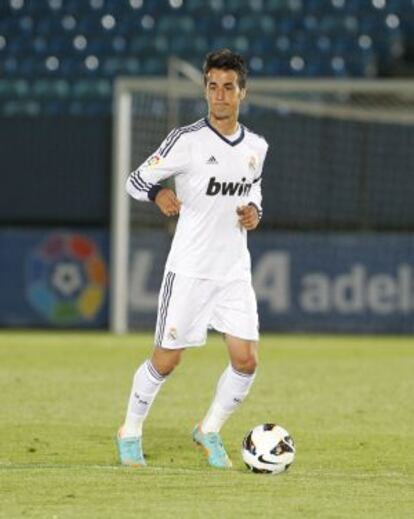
(168, 202)
(248, 217)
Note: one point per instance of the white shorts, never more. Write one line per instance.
(188, 307)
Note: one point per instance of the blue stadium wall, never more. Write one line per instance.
(305, 281)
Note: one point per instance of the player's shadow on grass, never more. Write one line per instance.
(171, 446)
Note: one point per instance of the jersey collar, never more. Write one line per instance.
(232, 143)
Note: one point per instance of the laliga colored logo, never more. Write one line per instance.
(66, 279)
(153, 161)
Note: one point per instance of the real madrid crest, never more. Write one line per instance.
(253, 162)
(172, 333)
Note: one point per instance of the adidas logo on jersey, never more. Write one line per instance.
(212, 160)
(228, 188)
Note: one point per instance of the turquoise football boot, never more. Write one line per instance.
(213, 445)
(130, 451)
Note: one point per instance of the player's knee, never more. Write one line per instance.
(246, 364)
(165, 361)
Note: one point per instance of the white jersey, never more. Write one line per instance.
(213, 176)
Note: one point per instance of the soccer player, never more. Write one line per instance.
(217, 165)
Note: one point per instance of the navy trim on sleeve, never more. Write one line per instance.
(153, 191)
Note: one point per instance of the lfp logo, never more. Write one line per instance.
(67, 279)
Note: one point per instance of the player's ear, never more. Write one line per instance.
(243, 93)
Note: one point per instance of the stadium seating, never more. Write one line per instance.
(45, 44)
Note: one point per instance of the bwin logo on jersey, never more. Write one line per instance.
(228, 188)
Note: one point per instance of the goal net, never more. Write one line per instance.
(341, 159)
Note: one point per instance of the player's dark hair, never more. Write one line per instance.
(225, 59)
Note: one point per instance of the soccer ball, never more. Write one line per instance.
(268, 449)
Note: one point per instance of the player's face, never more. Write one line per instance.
(223, 93)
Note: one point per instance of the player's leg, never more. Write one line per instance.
(177, 328)
(234, 384)
(232, 388)
(146, 384)
(235, 314)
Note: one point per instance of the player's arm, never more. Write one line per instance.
(251, 213)
(144, 184)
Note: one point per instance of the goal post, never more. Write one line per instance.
(119, 232)
(340, 152)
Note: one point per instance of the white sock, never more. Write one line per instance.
(147, 382)
(232, 389)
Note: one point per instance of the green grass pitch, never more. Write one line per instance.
(347, 401)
